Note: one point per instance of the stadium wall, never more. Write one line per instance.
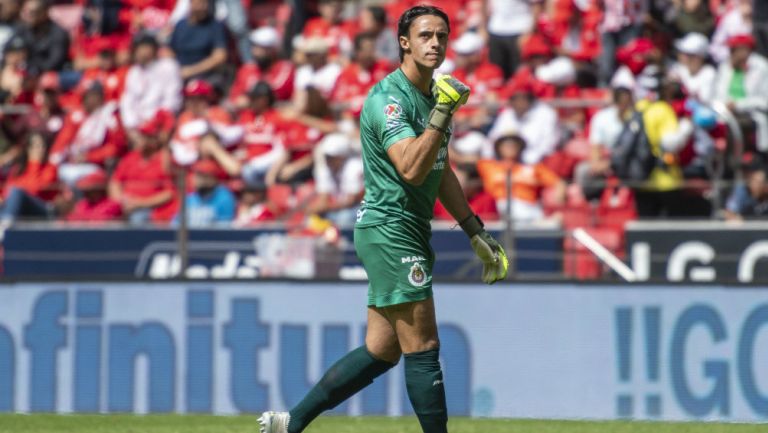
(532, 351)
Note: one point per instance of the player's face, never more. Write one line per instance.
(427, 41)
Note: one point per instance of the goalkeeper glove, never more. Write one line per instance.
(490, 252)
(450, 94)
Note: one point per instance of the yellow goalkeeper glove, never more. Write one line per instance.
(450, 94)
(487, 249)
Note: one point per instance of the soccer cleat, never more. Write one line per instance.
(274, 422)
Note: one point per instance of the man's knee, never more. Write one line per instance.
(384, 349)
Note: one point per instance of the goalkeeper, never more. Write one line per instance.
(405, 129)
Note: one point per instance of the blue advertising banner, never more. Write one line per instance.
(93, 252)
(541, 351)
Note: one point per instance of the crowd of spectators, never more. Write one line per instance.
(246, 111)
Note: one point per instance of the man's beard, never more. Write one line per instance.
(263, 62)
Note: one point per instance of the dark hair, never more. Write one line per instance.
(262, 88)
(144, 39)
(379, 14)
(409, 16)
(360, 37)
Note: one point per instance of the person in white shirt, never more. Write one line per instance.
(604, 130)
(691, 68)
(535, 121)
(742, 84)
(338, 174)
(151, 84)
(735, 22)
(506, 21)
(316, 73)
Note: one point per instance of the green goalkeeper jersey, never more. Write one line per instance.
(395, 109)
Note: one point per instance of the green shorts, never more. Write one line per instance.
(398, 260)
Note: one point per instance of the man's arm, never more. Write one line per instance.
(218, 57)
(452, 197)
(413, 158)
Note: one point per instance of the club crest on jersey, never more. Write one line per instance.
(417, 276)
(393, 111)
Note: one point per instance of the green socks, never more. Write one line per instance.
(424, 381)
(347, 376)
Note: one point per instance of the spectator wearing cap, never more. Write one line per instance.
(622, 22)
(749, 199)
(506, 21)
(152, 84)
(360, 75)
(536, 51)
(527, 180)
(639, 62)
(535, 121)
(210, 202)
(32, 185)
(742, 85)
(373, 19)
(199, 42)
(95, 204)
(331, 26)
(48, 43)
(142, 182)
(92, 137)
(338, 174)
(483, 77)
(10, 21)
(317, 74)
(697, 77)
(199, 119)
(261, 146)
(604, 130)
(266, 66)
(737, 21)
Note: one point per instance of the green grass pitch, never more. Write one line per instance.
(337, 424)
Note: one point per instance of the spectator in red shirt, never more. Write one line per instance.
(266, 66)
(331, 26)
(483, 77)
(31, 185)
(143, 182)
(95, 205)
(199, 119)
(92, 137)
(359, 76)
(261, 146)
(107, 72)
(253, 207)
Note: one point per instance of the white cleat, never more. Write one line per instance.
(274, 422)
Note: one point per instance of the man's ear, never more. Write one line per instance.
(405, 44)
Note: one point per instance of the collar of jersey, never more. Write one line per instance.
(412, 87)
